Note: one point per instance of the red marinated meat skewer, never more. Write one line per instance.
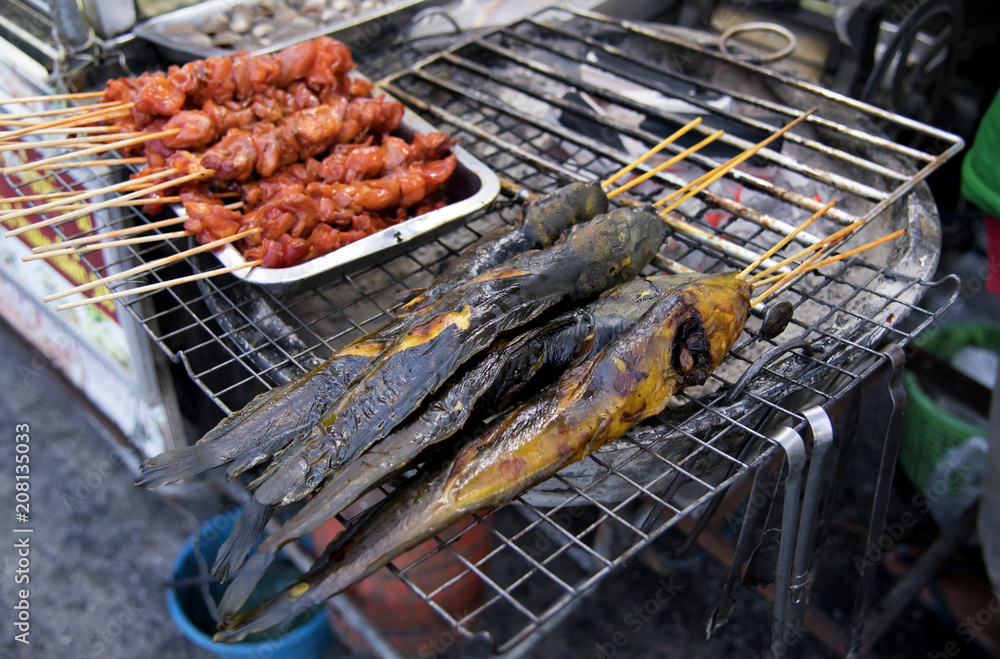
(305, 220)
(238, 77)
(202, 127)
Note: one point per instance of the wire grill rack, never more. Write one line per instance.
(567, 95)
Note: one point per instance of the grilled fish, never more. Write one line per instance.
(677, 343)
(496, 379)
(273, 419)
(587, 259)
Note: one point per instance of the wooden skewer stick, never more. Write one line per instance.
(86, 140)
(128, 231)
(75, 120)
(833, 237)
(53, 97)
(72, 215)
(663, 165)
(72, 129)
(145, 267)
(21, 212)
(723, 169)
(66, 193)
(840, 257)
(7, 119)
(106, 162)
(787, 279)
(656, 149)
(45, 162)
(96, 246)
(157, 286)
(787, 239)
(129, 202)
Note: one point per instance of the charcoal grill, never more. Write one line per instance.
(570, 95)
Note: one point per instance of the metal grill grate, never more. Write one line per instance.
(571, 95)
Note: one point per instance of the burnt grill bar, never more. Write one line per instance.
(511, 111)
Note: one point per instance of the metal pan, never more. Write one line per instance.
(471, 187)
(362, 32)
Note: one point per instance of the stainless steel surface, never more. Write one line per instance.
(471, 187)
(363, 30)
(511, 97)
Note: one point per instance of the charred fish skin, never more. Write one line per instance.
(442, 417)
(276, 417)
(495, 380)
(677, 343)
(546, 218)
(543, 221)
(587, 260)
(270, 420)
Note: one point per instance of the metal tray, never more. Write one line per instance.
(368, 30)
(471, 187)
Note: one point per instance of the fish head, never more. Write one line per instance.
(714, 310)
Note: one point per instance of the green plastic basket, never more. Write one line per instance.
(929, 431)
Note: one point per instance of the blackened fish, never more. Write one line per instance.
(677, 343)
(273, 419)
(587, 260)
(535, 355)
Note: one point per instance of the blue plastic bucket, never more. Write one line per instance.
(306, 637)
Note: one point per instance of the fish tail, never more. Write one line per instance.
(276, 610)
(244, 582)
(247, 529)
(399, 522)
(178, 464)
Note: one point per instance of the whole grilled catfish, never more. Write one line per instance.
(495, 379)
(273, 419)
(677, 343)
(587, 260)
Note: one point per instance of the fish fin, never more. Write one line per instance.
(403, 297)
(246, 531)
(244, 583)
(237, 418)
(283, 606)
(178, 464)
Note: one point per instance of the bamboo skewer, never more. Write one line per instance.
(663, 165)
(6, 119)
(87, 140)
(96, 246)
(104, 204)
(157, 286)
(106, 113)
(21, 212)
(839, 257)
(656, 149)
(129, 202)
(787, 279)
(787, 239)
(833, 237)
(71, 129)
(723, 169)
(108, 162)
(145, 267)
(128, 231)
(66, 193)
(45, 162)
(53, 97)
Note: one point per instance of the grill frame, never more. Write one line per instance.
(235, 341)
